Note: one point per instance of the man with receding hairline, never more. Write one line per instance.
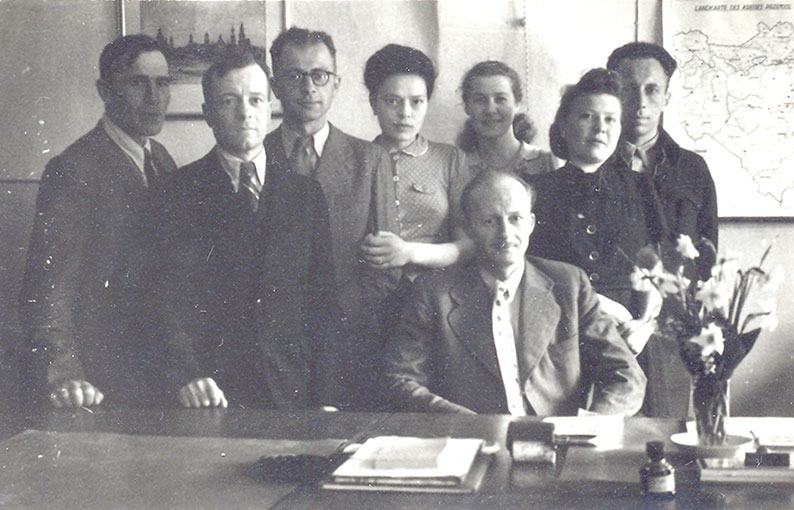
(80, 299)
(356, 178)
(505, 333)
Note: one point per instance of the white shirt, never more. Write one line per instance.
(125, 142)
(504, 336)
(231, 165)
(289, 136)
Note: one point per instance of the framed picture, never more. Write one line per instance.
(191, 35)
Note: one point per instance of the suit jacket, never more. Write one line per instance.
(356, 178)
(686, 190)
(84, 266)
(247, 298)
(442, 357)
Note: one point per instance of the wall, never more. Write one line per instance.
(48, 69)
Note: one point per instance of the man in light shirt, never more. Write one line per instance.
(247, 284)
(356, 178)
(84, 267)
(508, 334)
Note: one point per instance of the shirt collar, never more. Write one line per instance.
(652, 150)
(512, 281)
(642, 146)
(417, 148)
(526, 152)
(288, 137)
(125, 142)
(231, 165)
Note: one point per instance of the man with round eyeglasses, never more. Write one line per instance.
(355, 176)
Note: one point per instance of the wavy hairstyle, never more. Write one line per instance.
(523, 128)
(594, 81)
(395, 59)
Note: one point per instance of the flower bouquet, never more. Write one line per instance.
(715, 310)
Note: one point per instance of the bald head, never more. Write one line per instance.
(498, 209)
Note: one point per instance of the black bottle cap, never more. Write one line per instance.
(655, 449)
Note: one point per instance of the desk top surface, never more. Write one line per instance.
(182, 458)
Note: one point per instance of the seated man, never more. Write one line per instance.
(248, 299)
(503, 334)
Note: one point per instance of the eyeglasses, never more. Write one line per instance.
(296, 76)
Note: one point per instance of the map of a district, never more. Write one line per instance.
(732, 99)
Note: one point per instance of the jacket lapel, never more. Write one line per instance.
(120, 167)
(276, 156)
(470, 318)
(538, 318)
(336, 166)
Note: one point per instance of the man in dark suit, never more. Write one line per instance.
(681, 178)
(684, 189)
(247, 287)
(355, 176)
(506, 334)
(83, 267)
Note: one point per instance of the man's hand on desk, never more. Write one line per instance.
(75, 393)
(202, 392)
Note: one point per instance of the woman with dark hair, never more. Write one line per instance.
(428, 176)
(595, 212)
(496, 135)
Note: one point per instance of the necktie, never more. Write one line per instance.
(504, 341)
(639, 160)
(250, 185)
(303, 157)
(149, 170)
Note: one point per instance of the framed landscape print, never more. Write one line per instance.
(193, 34)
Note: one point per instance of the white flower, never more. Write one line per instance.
(726, 268)
(769, 322)
(771, 280)
(685, 247)
(641, 279)
(714, 295)
(671, 284)
(710, 340)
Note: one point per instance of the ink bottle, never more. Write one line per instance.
(657, 477)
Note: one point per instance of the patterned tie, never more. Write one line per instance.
(505, 343)
(250, 185)
(303, 158)
(149, 170)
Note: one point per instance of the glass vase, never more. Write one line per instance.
(710, 401)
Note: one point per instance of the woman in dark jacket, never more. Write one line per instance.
(594, 212)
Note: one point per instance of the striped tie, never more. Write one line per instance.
(249, 184)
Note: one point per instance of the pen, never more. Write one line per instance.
(575, 440)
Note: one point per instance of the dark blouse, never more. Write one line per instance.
(597, 221)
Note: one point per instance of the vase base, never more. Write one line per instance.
(735, 445)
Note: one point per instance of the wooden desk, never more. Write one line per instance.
(180, 458)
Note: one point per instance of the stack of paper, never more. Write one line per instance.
(410, 463)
